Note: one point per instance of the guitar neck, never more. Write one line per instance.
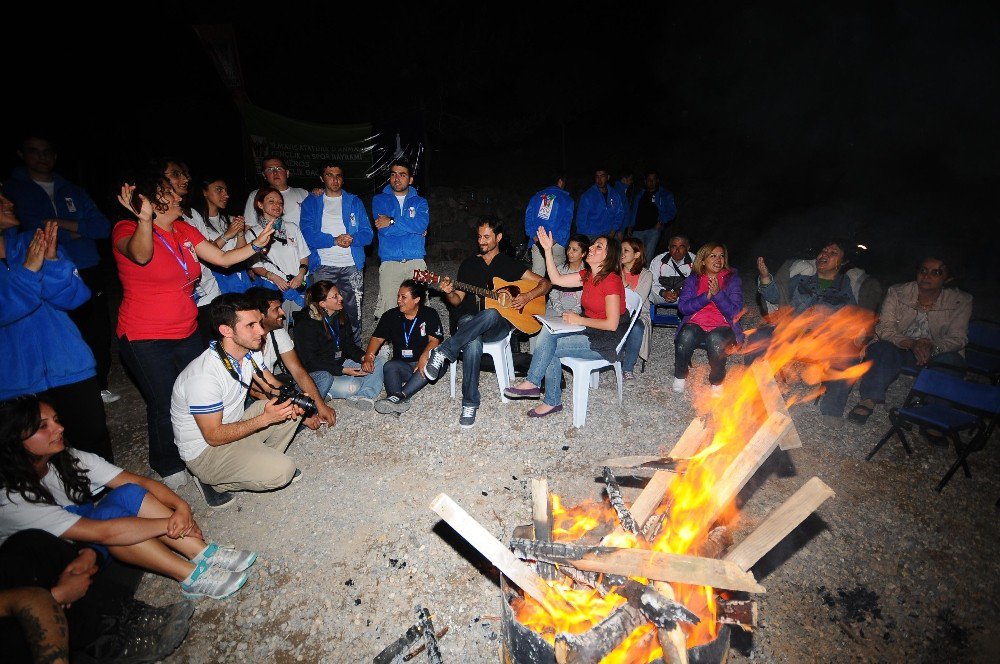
(475, 290)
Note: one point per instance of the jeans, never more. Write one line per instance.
(888, 360)
(487, 325)
(689, 337)
(400, 378)
(350, 280)
(350, 387)
(154, 365)
(545, 362)
(649, 238)
(633, 344)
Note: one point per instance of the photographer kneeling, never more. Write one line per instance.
(225, 446)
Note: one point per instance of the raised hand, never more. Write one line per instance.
(545, 239)
(36, 251)
(145, 211)
(265, 235)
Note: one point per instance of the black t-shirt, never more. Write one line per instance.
(475, 272)
(393, 326)
(647, 214)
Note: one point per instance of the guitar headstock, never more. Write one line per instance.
(426, 277)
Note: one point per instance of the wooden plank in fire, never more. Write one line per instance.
(541, 518)
(480, 538)
(774, 402)
(655, 565)
(779, 523)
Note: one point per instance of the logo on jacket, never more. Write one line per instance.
(545, 210)
(413, 212)
(70, 205)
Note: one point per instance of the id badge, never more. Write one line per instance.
(407, 354)
(337, 355)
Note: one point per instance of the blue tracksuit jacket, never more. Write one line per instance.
(404, 239)
(551, 208)
(355, 220)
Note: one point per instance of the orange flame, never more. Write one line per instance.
(811, 348)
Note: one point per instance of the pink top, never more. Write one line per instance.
(709, 317)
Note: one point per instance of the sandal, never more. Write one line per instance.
(860, 414)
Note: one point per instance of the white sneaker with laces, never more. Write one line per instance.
(107, 396)
(214, 582)
(679, 384)
(228, 558)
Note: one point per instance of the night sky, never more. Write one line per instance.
(875, 120)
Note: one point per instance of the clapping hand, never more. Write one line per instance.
(765, 274)
(36, 251)
(713, 286)
(236, 226)
(51, 240)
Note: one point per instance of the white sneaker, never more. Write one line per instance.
(107, 396)
(214, 582)
(177, 480)
(226, 557)
(679, 384)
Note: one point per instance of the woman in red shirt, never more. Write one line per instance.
(604, 319)
(157, 258)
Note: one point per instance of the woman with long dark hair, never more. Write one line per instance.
(208, 212)
(49, 486)
(604, 319)
(157, 256)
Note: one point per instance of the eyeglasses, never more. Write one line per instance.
(937, 271)
(274, 169)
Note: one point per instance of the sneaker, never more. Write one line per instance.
(394, 404)
(226, 557)
(208, 581)
(214, 499)
(628, 375)
(435, 362)
(145, 618)
(679, 384)
(468, 418)
(134, 643)
(176, 480)
(361, 403)
(107, 396)
(296, 476)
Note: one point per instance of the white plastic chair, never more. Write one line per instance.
(586, 373)
(503, 364)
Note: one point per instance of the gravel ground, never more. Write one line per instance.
(888, 570)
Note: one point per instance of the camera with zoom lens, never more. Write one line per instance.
(290, 392)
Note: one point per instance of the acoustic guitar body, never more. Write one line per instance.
(523, 319)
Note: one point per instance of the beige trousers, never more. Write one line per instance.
(390, 275)
(254, 463)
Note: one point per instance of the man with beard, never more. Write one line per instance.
(476, 324)
(225, 446)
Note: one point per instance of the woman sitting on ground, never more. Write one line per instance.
(922, 323)
(604, 319)
(50, 487)
(710, 302)
(414, 329)
(638, 279)
(325, 344)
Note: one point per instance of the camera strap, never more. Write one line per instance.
(234, 371)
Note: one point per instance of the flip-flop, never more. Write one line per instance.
(555, 409)
(860, 414)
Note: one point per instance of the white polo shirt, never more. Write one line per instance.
(285, 344)
(204, 387)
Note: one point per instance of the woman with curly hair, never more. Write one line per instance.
(48, 486)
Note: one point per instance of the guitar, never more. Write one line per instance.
(500, 298)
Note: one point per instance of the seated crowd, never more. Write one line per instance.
(241, 331)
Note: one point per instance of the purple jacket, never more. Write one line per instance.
(729, 301)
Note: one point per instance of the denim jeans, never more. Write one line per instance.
(154, 365)
(400, 378)
(350, 387)
(350, 281)
(633, 344)
(649, 238)
(545, 362)
(487, 325)
(888, 360)
(689, 337)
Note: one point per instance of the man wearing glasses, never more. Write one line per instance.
(276, 174)
(401, 218)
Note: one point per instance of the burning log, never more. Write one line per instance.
(594, 645)
(779, 523)
(773, 401)
(525, 577)
(602, 583)
(656, 565)
(420, 649)
(618, 503)
(719, 539)
(541, 517)
(663, 612)
(430, 640)
(741, 612)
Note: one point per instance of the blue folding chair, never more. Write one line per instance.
(945, 402)
(664, 315)
(982, 353)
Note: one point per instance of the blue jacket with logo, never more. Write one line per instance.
(355, 221)
(552, 208)
(664, 201)
(404, 239)
(596, 216)
(43, 347)
(34, 206)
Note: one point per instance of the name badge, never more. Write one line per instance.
(407, 354)
(337, 355)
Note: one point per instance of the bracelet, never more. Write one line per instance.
(255, 248)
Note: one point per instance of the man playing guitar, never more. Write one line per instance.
(476, 324)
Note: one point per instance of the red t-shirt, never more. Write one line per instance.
(592, 299)
(709, 317)
(158, 301)
(632, 280)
